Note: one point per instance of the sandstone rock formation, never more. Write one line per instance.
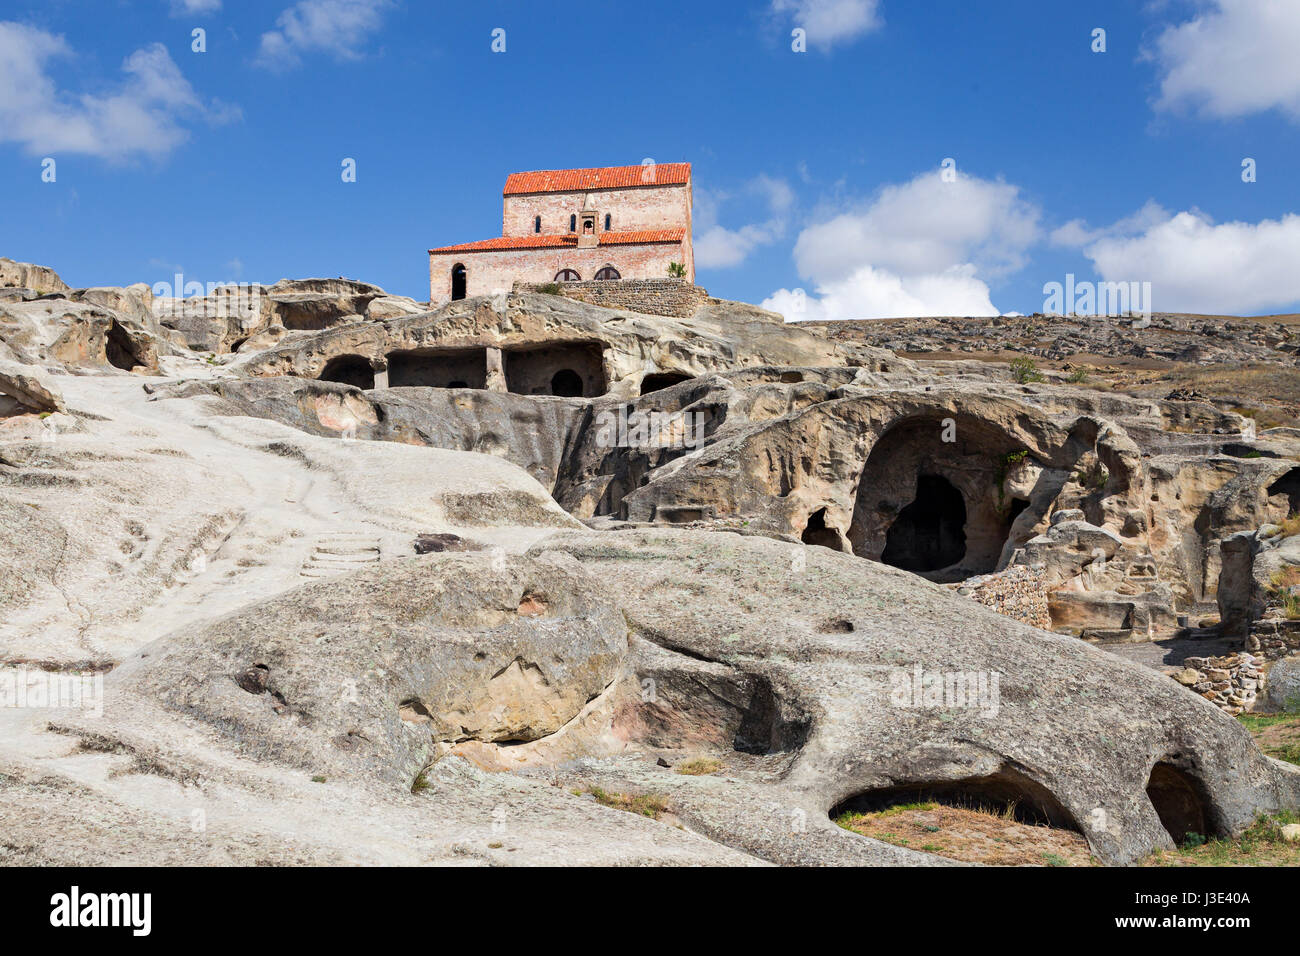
(340, 559)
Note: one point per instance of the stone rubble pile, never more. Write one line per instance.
(1231, 682)
(1019, 593)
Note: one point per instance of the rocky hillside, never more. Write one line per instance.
(350, 580)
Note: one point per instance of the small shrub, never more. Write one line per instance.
(420, 783)
(550, 288)
(677, 270)
(318, 779)
(1291, 526)
(1001, 467)
(1094, 477)
(1025, 371)
(1079, 375)
(1192, 840)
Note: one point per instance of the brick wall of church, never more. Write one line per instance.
(491, 272)
(631, 210)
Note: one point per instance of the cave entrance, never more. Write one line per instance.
(816, 532)
(657, 380)
(566, 383)
(349, 370)
(438, 368)
(118, 348)
(1178, 802)
(935, 498)
(930, 533)
(1006, 792)
(1289, 485)
(567, 369)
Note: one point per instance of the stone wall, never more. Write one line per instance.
(1019, 592)
(675, 297)
(1273, 639)
(1230, 683)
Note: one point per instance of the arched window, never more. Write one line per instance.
(608, 272)
(607, 222)
(458, 281)
(567, 275)
(573, 223)
(537, 224)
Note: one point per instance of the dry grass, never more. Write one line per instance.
(1270, 394)
(652, 805)
(1291, 526)
(971, 834)
(1282, 585)
(699, 767)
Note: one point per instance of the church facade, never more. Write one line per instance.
(576, 225)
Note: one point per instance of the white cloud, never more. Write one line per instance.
(1235, 58)
(337, 27)
(828, 22)
(718, 247)
(144, 115)
(924, 247)
(194, 7)
(925, 226)
(1194, 265)
(1076, 233)
(869, 293)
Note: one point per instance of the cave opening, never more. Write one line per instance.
(1178, 801)
(930, 533)
(118, 348)
(938, 496)
(816, 532)
(1007, 792)
(566, 383)
(657, 380)
(1289, 485)
(349, 370)
(564, 369)
(438, 368)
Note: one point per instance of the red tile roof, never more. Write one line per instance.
(601, 177)
(570, 239)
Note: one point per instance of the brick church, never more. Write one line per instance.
(576, 225)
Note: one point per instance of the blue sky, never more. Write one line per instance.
(817, 174)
